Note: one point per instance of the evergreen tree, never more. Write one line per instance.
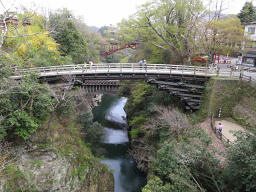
(72, 43)
(248, 13)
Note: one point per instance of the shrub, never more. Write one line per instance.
(135, 132)
(24, 107)
(138, 121)
(93, 130)
(241, 169)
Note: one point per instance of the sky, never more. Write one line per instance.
(100, 12)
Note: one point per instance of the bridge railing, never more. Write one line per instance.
(115, 66)
(128, 68)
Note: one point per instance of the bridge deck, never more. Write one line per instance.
(133, 68)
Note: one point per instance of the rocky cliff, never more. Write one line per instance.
(56, 158)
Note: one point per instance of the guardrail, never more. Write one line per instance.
(109, 66)
(128, 68)
(247, 78)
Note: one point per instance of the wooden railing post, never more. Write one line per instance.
(170, 69)
(108, 67)
(133, 67)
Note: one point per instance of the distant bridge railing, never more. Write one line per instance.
(247, 78)
(128, 68)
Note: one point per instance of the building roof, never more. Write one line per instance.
(250, 23)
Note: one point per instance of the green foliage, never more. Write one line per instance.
(138, 121)
(230, 34)
(23, 107)
(241, 169)
(163, 98)
(237, 99)
(248, 13)
(45, 57)
(31, 44)
(93, 130)
(5, 62)
(187, 166)
(16, 180)
(136, 124)
(142, 90)
(166, 25)
(138, 99)
(22, 124)
(173, 168)
(135, 132)
(155, 184)
(72, 42)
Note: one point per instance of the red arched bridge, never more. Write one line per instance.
(115, 47)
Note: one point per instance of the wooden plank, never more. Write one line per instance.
(188, 95)
(180, 89)
(179, 84)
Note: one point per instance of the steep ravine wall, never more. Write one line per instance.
(165, 139)
(56, 158)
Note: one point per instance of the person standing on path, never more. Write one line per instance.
(91, 63)
(145, 64)
(220, 127)
(140, 63)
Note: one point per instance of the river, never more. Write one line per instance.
(115, 143)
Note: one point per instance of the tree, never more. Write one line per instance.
(23, 107)
(27, 41)
(72, 42)
(248, 13)
(93, 130)
(241, 169)
(168, 25)
(224, 35)
(94, 40)
(173, 168)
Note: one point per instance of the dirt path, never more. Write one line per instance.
(228, 128)
(217, 144)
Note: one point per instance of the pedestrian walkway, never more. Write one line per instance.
(229, 128)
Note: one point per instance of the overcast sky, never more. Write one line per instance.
(101, 12)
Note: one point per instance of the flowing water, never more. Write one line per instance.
(115, 142)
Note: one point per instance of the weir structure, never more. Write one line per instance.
(185, 82)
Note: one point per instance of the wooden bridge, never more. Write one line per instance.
(185, 82)
(131, 71)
